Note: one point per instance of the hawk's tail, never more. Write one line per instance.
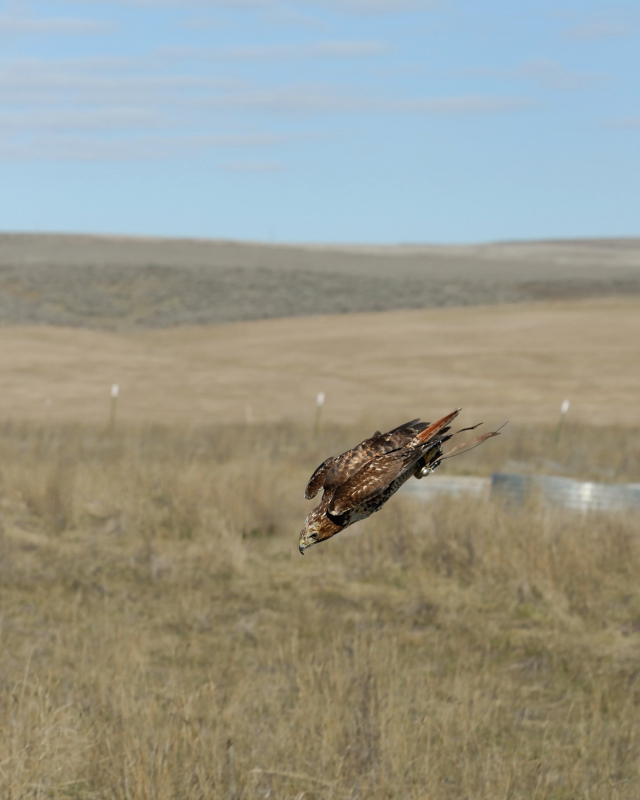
(465, 446)
(433, 430)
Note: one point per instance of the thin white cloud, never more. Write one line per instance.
(171, 103)
(311, 100)
(41, 84)
(373, 7)
(592, 31)
(138, 148)
(544, 72)
(551, 74)
(350, 7)
(290, 16)
(273, 14)
(253, 166)
(95, 119)
(34, 84)
(463, 105)
(81, 64)
(313, 50)
(625, 123)
(202, 24)
(53, 25)
(34, 77)
(404, 70)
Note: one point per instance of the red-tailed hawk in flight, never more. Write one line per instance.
(360, 481)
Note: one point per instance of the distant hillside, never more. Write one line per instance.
(128, 283)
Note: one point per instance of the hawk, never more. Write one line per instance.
(360, 481)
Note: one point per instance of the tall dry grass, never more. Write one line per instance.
(162, 638)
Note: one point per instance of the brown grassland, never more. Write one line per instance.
(136, 283)
(514, 362)
(161, 637)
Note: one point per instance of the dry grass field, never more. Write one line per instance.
(129, 283)
(161, 637)
(514, 362)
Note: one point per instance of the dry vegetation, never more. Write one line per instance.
(162, 638)
(501, 362)
(130, 283)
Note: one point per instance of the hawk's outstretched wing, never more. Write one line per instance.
(317, 479)
(359, 482)
(336, 470)
(378, 473)
(372, 479)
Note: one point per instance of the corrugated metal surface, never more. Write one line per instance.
(517, 488)
(566, 492)
(438, 485)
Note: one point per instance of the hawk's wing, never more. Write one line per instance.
(379, 472)
(336, 470)
(317, 479)
(372, 479)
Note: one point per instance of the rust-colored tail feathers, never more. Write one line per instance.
(433, 430)
(441, 427)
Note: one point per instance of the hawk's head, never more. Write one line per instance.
(317, 528)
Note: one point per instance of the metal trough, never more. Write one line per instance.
(516, 488)
(437, 485)
(566, 492)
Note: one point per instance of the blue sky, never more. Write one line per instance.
(321, 120)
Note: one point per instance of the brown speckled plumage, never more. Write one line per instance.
(361, 480)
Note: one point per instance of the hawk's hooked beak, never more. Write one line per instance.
(307, 538)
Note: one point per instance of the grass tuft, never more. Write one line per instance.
(162, 638)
